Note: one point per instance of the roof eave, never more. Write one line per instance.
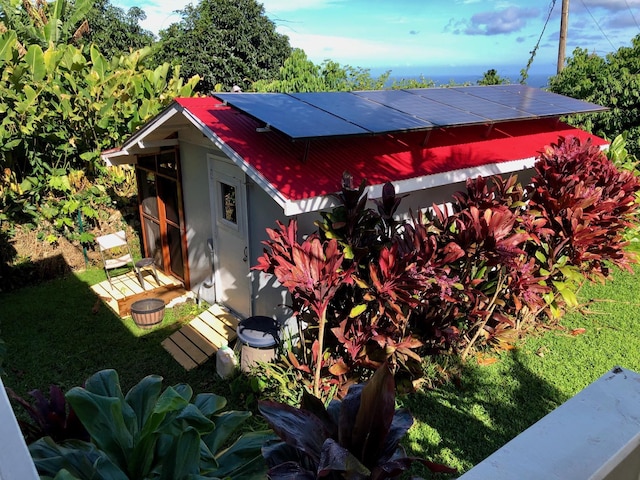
(237, 159)
(135, 144)
(415, 184)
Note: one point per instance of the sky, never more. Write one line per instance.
(413, 37)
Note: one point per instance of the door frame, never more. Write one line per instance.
(216, 165)
(177, 178)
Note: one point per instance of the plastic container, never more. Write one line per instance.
(225, 361)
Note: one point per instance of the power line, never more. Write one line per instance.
(524, 73)
(632, 15)
(597, 24)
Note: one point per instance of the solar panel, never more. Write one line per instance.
(372, 116)
(292, 117)
(530, 100)
(568, 104)
(329, 114)
(490, 111)
(435, 113)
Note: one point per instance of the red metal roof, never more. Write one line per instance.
(376, 158)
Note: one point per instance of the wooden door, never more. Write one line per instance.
(162, 213)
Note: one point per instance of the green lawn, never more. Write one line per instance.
(53, 336)
(462, 424)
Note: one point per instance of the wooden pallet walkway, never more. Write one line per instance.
(127, 289)
(201, 338)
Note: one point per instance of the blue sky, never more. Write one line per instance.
(435, 36)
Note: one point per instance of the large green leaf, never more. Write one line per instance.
(171, 401)
(143, 457)
(81, 459)
(28, 104)
(79, 12)
(100, 64)
(189, 416)
(51, 58)
(184, 457)
(209, 403)
(107, 383)
(244, 458)
(7, 45)
(103, 418)
(143, 398)
(225, 424)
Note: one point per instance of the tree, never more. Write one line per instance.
(117, 32)
(611, 81)
(491, 77)
(299, 74)
(226, 43)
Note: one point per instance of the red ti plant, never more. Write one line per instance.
(52, 417)
(312, 272)
(587, 202)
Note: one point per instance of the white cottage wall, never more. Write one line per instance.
(198, 218)
(268, 297)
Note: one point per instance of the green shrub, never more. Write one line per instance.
(151, 433)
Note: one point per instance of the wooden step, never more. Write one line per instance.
(201, 338)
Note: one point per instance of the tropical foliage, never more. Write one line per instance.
(491, 77)
(42, 23)
(225, 43)
(500, 259)
(610, 81)
(151, 433)
(358, 437)
(62, 104)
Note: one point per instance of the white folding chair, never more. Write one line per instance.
(118, 258)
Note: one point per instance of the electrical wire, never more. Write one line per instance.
(524, 73)
(597, 24)
(632, 15)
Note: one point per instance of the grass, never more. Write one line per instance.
(463, 422)
(53, 336)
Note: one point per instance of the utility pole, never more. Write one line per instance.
(564, 23)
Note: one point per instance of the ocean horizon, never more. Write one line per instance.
(536, 80)
(442, 76)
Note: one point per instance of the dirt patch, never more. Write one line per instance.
(28, 259)
(29, 248)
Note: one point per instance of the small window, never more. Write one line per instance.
(229, 211)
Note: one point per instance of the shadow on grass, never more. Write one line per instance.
(489, 407)
(59, 332)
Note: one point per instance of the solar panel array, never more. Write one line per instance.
(332, 114)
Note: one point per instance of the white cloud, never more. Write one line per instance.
(278, 6)
(160, 17)
(359, 52)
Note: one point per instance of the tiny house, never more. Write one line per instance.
(214, 172)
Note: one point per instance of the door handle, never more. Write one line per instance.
(245, 258)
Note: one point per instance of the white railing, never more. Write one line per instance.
(15, 461)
